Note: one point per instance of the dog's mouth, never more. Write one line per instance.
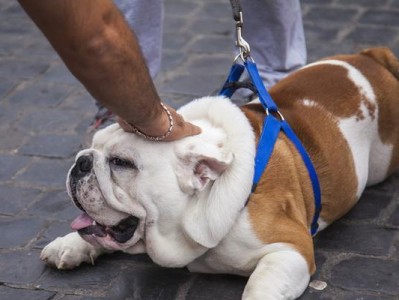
(121, 232)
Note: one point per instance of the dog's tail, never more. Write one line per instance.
(385, 57)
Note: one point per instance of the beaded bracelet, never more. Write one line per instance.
(156, 138)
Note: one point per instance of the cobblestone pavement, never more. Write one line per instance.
(44, 116)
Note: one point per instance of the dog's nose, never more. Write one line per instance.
(85, 163)
(83, 166)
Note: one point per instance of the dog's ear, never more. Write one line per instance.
(200, 172)
(200, 166)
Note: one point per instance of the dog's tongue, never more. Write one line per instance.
(83, 221)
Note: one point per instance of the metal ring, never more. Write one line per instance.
(277, 112)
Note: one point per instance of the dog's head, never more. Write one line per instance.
(184, 194)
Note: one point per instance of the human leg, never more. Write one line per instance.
(274, 30)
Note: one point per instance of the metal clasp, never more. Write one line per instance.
(240, 42)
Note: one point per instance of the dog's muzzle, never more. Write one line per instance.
(84, 224)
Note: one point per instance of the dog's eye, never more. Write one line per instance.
(119, 162)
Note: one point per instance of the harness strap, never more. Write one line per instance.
(311, 171)
(267, 140)
(234, 75)
(264, 96)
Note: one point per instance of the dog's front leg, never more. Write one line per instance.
(70, 251)
(278, 275)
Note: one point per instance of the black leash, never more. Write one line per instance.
(237, 10)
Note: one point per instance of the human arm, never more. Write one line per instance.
(98, 47)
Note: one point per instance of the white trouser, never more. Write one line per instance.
(273, 28)
(274, 31)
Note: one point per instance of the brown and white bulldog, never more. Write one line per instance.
(183, 202)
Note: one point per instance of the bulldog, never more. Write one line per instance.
(189, 202)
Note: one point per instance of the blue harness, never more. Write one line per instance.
(273, 124)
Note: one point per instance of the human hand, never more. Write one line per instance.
(160, 126)
(181, 128)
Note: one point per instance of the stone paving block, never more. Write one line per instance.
(363, 296)
(13, 8)
(394, 220)
(16, 24)
(370, 275)
(329, 15)
(46, 172)
(369, 36)
(55, 205)
(79, 100)
(216, 11)
(58, 73)
(176, 26)
(317, 36)
(176, 41)
(324, 49)
(151, 282)
(129, 261)
(362, 239)
(311, 294)
(11, 138)
(50, 121)
(325, 2)
(364, 3)
(20, 267)
(380, 17)
(15, 199)
(17, 232)
(14, 69)
(8, 116)
(10, 165)
(54, 230)
(212, 286)
(6, 86)
(73, 297)
(55, 146)
(370, 205)
(87, 279)
(35, 48)
(171, 60)
(9, 293)
(180, 8)
(39, 94)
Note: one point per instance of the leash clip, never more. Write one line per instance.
(241, 43)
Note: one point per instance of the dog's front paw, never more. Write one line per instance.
(69, 251)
